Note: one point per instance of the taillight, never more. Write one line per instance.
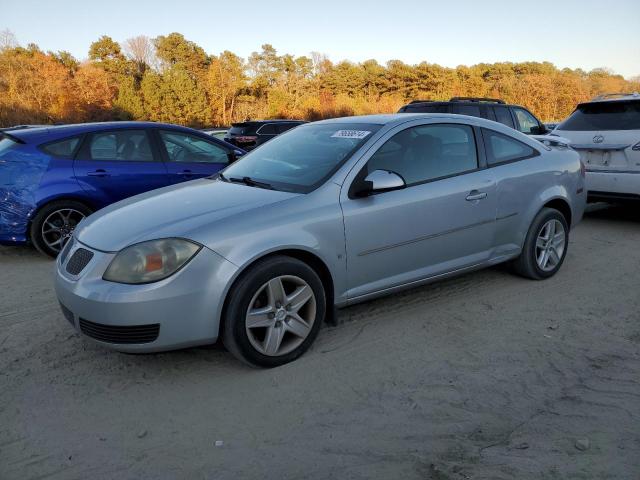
(583, 169)
(636, 147)
(246, 139)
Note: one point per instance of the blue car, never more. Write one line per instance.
(53, 177)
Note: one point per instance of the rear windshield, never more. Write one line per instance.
(604, 116)
(243, 129)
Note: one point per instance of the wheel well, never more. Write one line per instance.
(58, 199)
(310, 259)
(563, 207)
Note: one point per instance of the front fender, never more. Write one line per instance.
(312, 224)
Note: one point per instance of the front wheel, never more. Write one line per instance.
(274, 312)
(53, 225)
(545, 246)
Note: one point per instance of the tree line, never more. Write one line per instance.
(172, 79)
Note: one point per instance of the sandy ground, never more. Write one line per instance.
(483, 376)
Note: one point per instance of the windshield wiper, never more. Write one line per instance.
(251, 182)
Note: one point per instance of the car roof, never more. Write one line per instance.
(53, 132)
(259, 122)
(458, 102)
(612, 98)
(395, 118)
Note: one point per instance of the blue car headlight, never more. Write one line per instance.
(150, 261)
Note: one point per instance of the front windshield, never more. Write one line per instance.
(303, 158)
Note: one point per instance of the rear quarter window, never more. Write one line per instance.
(503, 116)
(425, 109)
(62, 148)
(471, 110)
(504, 149)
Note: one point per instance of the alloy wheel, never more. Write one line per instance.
(280, 315)
(550, 245)
(58, 227)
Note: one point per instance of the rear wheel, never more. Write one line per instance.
(274, 312)
(53, 225)
(545, 246)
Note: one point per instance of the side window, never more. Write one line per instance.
(268, 129)
(472, 110)
(527, 123)
(503, 116)
(487, 112)
(62, 148)
(123, 145)
(183, 147)
(502, 148)
(427, 152)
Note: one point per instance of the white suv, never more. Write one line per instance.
(606, 133)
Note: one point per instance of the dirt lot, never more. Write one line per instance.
(483, 376)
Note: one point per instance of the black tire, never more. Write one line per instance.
(35, 232)
(234, 334)
(526, 264)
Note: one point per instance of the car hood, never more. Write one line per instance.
(185, 210)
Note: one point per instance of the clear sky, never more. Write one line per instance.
(569, 33)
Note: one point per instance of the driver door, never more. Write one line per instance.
(442, 221)
(190, 156)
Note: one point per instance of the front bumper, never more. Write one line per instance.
(613, 184)
(185, 306)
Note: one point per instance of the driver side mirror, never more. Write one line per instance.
(380, 181)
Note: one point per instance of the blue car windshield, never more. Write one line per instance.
(301, 159)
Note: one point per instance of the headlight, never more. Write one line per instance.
(150, 261)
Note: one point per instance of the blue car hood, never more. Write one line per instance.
(186, 210)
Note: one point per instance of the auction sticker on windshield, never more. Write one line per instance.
(358, 134)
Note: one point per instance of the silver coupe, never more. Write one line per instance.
(326, 215)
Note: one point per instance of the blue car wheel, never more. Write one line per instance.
(54, 224)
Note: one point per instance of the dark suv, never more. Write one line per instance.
(249, 135)
(513, 116)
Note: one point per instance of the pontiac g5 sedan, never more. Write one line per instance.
(328, 214)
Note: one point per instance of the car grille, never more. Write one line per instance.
(120, 334)
(68, 314)
(80, 258)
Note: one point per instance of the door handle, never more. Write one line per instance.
(99, 173)
(186, 173)
(476, 195)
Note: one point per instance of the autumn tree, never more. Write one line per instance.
(226, 79)
(172, 79)
(141, 52)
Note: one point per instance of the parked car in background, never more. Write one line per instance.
(513, 116)
(20, 127)
(218, 133)
(53, 177)
(331, 213)
(249, 135)
(606, 133)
